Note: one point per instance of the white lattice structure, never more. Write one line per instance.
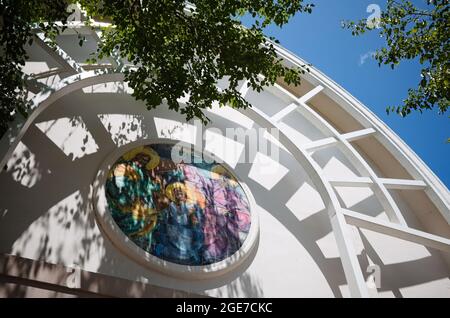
(349, 194)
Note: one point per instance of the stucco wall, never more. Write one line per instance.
(46, 210)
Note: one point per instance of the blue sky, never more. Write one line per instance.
(319, 39)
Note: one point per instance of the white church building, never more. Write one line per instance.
(306, 194)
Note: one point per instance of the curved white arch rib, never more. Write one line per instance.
(48, 96)
(349, 259)
(437, 191)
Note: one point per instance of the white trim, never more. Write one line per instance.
(320, 144)
(352, 269)
(363, 167)
(349, 259)
(437, 191)
(330, 141)
(293, 106)
(347, 253)
(356, 159)
(244, 88)
(45, 98)
(359, 182)
(305, 98)
(124, 244)
(359, 134)
(400, 184)
(284, 112)
(395, 230)
(391, 184)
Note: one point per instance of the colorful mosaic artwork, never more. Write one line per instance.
(190, 214)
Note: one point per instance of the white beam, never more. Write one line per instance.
(436, 190)
(347, 253)
(319, 144)
(323, 143)
(395, 230)
(349, 259)
(355, 135)
(401, 184)
(305, 98)
(360, 164)
(284, 112)
(293, 106)
(394, 184)
(61, 57)
(244, 89)
(358, 182)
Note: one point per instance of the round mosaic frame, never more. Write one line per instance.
(121, 241)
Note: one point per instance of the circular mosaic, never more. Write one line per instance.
(193, 213)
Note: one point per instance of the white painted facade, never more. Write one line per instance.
(346, 193)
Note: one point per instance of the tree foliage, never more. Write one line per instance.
(16, 23)
(177, 50)
(416, 33)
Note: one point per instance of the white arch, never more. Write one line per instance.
(348, 256)
(51, 94)
(339, 217)
(437, 191)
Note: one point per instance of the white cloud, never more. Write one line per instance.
(363, 58)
